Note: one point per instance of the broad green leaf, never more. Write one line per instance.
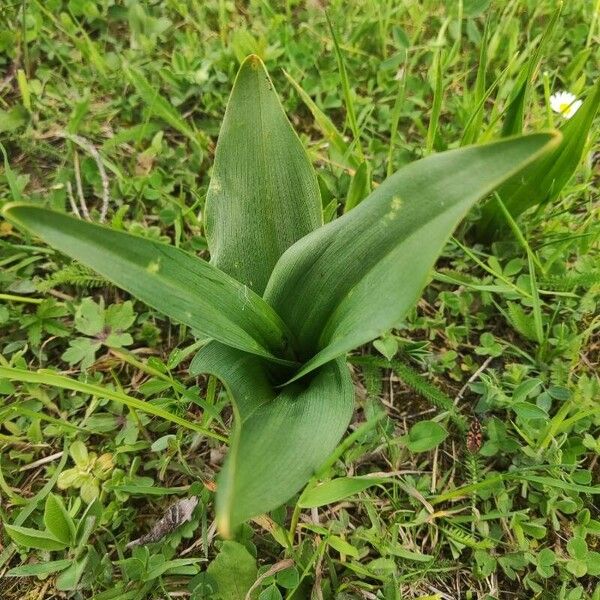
(348, 282)
(41, 568)
(70, 577)
(544, 179)
(58, 521)
(232, 572)
(528, 411)
(336, 490)
(181, 286)
(32, 538)
(282, 435)
(271, 593)
(424, 436)
(263, 194)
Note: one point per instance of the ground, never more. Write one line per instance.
(115, 106)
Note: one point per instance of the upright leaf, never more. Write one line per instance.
(58, 521)
(513, 119)
(356, 277)
(282, 435)
(542, 180)
(179, 285)
(263, 194)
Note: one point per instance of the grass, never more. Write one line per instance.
(471, 467)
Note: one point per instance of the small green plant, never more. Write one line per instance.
(61, 532)
(87, 474)
(100, 327)
(285, 297)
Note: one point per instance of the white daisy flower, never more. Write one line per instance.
(565, 103)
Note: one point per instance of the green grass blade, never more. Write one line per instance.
(181, 286)
(263, 194)
(348, 100)
(67, 383)
(281, 436)
(327, 127)
(360, 186)
(513, 120)
(436, 105)
(353, 279)
(537, 305)
(11, 177)
(513, 117)
(395, 116)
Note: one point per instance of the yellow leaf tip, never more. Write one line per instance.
(253, 61)
(223, 527)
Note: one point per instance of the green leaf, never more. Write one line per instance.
(360, 186)
(181, 286)
(120, 316)
(13, 119)
(336, 490)
(577, 548)
(546, 557)
(271, 593)
(528, 411)
(282, 435)
(70, 577)
(81, 350)
(233, 571)
(288, 578)
(342, 546)
(424, 436)
(543, 180)
(348, 282)
(32, 538)
(58, 521)
(16, 183)
(263, 194)
(593, 563)
(398, 550)
(79, 454)
(513, 120)
(42, 568)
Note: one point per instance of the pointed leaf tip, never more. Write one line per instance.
(263, 194)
